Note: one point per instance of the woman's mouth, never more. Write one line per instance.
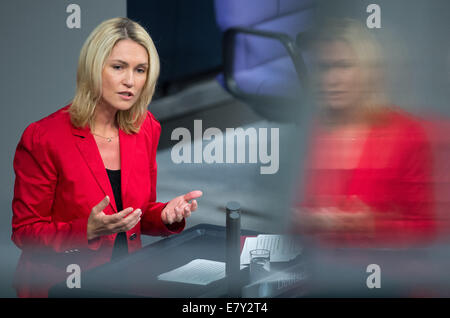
(126, 95)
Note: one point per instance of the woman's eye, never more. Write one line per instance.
(117, 67)
(344, 64)
(141, 70)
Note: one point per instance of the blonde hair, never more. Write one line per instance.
(95, 51)
(368, 55)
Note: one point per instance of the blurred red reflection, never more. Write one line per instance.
(370, 172)
(370, 185)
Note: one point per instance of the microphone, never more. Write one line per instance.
(233, 248)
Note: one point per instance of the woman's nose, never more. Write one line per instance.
(331, 78)
(129, 79)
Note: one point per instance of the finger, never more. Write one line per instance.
(135, 223)
(118, 217)
(101, 205)
(128, 212)
(132, 216)
(187, 211)
(180, 217)
(192, 195)
(131, 222)
(164, 217)
(194, 205)
(170, 217)
(126, 223)
(178, 214)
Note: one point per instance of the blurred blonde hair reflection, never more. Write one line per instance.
(362, 53)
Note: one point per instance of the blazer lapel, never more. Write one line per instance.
(89, 151)
(127, 153)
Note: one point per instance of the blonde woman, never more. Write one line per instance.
(369, 167)
(85, 186)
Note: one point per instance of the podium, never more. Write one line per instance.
(135, 275)
(340, 272)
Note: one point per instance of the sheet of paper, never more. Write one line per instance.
(198, 272)
(282, 248)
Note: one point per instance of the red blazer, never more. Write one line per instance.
(394, 175)
(60, 176)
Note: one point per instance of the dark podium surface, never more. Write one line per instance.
(136, 274)
(340, 272)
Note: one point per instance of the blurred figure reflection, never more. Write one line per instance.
(369, 163)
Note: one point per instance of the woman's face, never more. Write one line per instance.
(340, 81)
(125, 70)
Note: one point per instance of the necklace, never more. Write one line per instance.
(109, 139)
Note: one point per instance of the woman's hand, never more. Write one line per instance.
(100, 224)
(333, 220)
(359, 218)
(179, 208)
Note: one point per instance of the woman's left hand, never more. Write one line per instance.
(179, 208)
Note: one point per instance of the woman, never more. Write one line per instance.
(368, 178)
(85, 185)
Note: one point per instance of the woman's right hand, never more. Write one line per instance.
(326, 220)
(100, 224)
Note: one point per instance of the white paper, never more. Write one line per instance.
(197, 272)
(282, 248)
